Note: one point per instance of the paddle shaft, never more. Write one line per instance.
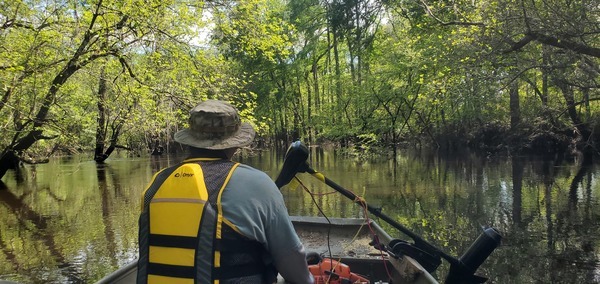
(296, 161)
(419, 242)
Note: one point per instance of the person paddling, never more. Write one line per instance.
(212, 220)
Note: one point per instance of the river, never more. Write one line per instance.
(72, 221)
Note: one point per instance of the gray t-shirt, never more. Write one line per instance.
(252, 202)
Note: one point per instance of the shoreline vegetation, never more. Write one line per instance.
(492, 139)
(494, 77)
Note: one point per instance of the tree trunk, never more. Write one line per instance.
(582, 144)
(338, 76)
(8, 161)
(545, 75)
(99, 155)
(586, 98)
(515, 109)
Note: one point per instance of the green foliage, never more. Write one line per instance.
(393, 71)
(254, 31)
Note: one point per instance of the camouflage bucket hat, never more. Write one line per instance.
(215, 125)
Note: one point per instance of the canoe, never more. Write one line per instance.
(347, 240)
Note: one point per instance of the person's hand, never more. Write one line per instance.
(313, 258)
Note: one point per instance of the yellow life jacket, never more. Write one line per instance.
(182, 236)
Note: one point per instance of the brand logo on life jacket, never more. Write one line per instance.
(184, 175)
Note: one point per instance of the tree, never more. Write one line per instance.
(255, 35)
(98, 30)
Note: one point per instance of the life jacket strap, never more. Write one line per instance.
(226, 272)
(173, 241)
(237, 245)
(171, 270)
(237, 271)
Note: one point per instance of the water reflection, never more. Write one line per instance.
(33, 228)
(72, 221)
(105, 178)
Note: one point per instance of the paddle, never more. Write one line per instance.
(461, 270)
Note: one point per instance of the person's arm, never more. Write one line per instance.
(286, 248)
(256, 206)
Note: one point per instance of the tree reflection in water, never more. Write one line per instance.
(73, 221)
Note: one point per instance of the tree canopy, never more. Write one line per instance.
(100, 75)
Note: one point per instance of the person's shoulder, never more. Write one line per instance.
(251, 174)
(249, 170)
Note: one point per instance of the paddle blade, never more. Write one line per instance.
(295, 162)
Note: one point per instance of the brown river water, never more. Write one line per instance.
(72, 221)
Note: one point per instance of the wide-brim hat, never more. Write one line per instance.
(215, 125)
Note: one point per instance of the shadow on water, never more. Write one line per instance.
(547, 211)
(39, 229)
(104, 176)
(571, 230)
(4, 244)
(573, 227)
